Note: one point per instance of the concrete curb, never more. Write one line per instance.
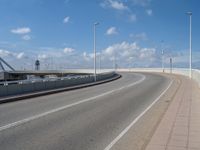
(43, 93)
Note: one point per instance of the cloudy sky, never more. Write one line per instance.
(60, 32)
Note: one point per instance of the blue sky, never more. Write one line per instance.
(60, 32)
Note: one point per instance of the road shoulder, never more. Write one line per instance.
(140, 134)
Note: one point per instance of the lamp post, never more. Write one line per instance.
(95, 24)
(170, 60)
(99, 61)
(162, 55)
(190, 41)
(114, 61)
(162, 60)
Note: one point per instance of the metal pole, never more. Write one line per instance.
(99, 61)
(191, 46)
(95, 24)
(162, 60)
(95, 53)
(170, 65)
(190, 41)
(114, 61)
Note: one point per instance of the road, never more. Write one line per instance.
(85, 119)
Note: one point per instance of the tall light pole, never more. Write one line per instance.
(99, 61)
(190, 41)
(114, 61)
(95, 24)
(162, 56)
(162, 60)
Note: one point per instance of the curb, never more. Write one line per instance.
(43, 93)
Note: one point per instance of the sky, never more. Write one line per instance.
(133, 32)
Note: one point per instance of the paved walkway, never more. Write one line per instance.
(180, 126)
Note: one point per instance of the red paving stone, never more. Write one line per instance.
(179, 129)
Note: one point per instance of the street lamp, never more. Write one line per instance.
(99, 61)
(162, 60)
(190, 41)
(162, 56)
(95, 24)
(114, 61)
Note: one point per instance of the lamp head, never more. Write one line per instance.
(96, 23)
(189, 13)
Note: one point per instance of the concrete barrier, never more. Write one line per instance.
(180, 71)
(17, 89)
(3, 91)
(196, 75)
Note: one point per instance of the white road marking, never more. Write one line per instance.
(135, 120)
(67, 106)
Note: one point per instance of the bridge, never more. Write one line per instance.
(121, 114)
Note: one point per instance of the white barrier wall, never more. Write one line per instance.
(16, 89)
(181, 71)
(196, 75)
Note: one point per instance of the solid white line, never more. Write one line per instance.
(67, 106)
(135, 120)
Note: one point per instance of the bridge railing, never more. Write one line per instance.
(181, 71)
(43, 85)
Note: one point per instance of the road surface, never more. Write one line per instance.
(91, 118)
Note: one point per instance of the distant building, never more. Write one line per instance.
(37, 65)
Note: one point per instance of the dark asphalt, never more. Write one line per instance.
(89, 125)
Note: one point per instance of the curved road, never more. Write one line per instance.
(84, 119)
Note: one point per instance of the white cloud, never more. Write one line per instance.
(4, 53)
(126, 51)
(112, 31)
(114, 4)
(140, 36)
(147, 53)
(53, 52)
(149, 12)
(42, 56)
(122, 6)
(23, 30)
(117, 5)
(20, 55)
(133, 18)
(88, 56)
(68, 50)
(66, 19)
(26, 37)
(128, 54)
(142, 3)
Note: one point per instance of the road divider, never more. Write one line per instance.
(17, 92)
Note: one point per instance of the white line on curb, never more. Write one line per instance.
(135, 120)
(67, 106)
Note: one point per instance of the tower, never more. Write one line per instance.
(37, 65)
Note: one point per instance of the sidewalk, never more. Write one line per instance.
(180, 126)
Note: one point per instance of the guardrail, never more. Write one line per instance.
(181, 71)
(44, 85)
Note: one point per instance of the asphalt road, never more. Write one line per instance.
(84, 119)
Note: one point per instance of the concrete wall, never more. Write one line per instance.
(16, 89)
(196, 75)
(181, 71)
